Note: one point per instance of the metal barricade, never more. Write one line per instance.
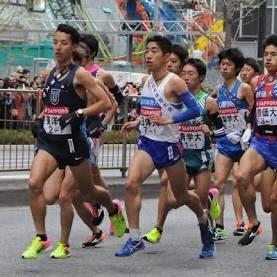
(17, 143)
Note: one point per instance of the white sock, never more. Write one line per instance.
(204, 218)
(135, 234)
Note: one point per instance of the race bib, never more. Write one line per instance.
(266, 112)
(233, 119)
(145, 125)
(192, 137)
(51, 123)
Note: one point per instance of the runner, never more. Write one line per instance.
(249, 70)
(234, 100)
(96, 127)
(162, 99)
(262, 151)
(61, 142)
(198, 153)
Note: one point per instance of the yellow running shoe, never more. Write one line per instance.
(35, 248)
(214, 208)
(118, 221)
(154, 236)
(61, 251)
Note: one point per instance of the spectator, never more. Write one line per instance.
(2, 83)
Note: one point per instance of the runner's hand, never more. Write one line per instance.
(127, 127)
(160, 121)
(246, 136)
(66, 119)
(234, 137)
(205, 129)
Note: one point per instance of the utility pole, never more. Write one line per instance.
(156, 16)
(261, 32)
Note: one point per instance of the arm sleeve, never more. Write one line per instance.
(216, 120)
(250, 117)
(192, 108)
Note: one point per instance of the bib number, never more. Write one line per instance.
(192, 137)
(233, 120)
(145, 125)
(51, 123)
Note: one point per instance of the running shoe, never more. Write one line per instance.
(251, 234)
(35, 248)
(208, 249)
(220, 234)
(154, 236)
(111, 231)
(118, 221)
(214, 208)
(271, 253)
(94, 239)
(61, 251)
(131, 246)
(240, 229)
(96, 211)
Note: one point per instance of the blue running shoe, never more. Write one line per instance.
(131, 246)
(208, 249)
(271, 253)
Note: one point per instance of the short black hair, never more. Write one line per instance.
(74, 34)
(253, 63)
(199, 66)
(270, 40)
(163, 43)
(181, 52)
(234, 55)
(92, 43)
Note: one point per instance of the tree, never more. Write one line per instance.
(231, 16)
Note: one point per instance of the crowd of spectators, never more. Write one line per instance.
(18, 108)
(18, 105)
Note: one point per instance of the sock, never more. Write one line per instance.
(114, 212)
(159, 229)
(43, 237)
(219, 226)
(135, 234)
(204, 218)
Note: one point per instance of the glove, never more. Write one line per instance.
(245, 139)
(246, 136)
(36, 126)
(95, 133)
(66, 119)
(95, 129)
(234, 137)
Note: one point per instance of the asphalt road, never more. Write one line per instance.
(175, 255)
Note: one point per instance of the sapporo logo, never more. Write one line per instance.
(55, 96)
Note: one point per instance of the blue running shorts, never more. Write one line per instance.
(266, 148)
(229, 150)
(163, 154)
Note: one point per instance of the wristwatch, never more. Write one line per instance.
(80, 112)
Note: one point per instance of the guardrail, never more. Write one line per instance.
(18, 109)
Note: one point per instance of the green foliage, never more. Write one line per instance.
(16, 137)
(114, 137)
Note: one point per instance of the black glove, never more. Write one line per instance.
(94, 127)
(66, 119)
(36, 126)
(96, 133)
